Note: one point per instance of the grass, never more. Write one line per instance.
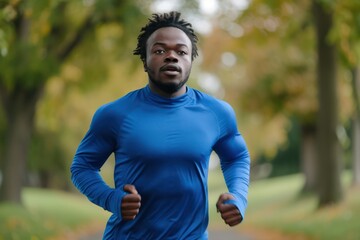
(46, 214)
(274, 204)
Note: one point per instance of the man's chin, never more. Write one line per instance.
(169, 87)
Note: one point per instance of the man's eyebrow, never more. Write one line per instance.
(164, 44)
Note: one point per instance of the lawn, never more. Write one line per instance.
(47, 213)
(274, 204)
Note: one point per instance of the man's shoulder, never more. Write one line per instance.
(211, 101)
(123, 101)
(120, 105)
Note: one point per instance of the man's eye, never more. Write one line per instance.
(159, 51)
(182, 52)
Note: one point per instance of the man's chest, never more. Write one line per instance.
(167, 132)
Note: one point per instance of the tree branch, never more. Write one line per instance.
(77, 38)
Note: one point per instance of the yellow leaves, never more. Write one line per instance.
(287, 9)
(346, 31)
(14, 2)
(345, 93)
(44, 29)
(41, 27)
(264, 138)
(55, 86)
(71, 73)
(28, 12)
(109, 36)
(13, 223)
(53, 100)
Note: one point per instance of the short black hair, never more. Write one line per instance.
(171, 19)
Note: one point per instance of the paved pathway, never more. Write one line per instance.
(213, 235)
(227, 235)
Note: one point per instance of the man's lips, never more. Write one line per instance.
(170, 68)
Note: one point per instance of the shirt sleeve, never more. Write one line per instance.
(234, 159)
(95, 148)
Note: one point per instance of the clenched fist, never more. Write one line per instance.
(130, 203)
(229, 212)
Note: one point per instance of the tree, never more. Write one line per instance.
(276, 52)
(36, 39)
(346, 35)
(271, 77)
(356, 127)
(329, 165)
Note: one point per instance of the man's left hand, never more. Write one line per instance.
(229, 212)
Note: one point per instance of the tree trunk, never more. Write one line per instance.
(329, 168)
(45, 178)
(308, 157)
(20, 111)
(356, 151)
(356, 127)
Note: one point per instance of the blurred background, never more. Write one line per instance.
(290, 69)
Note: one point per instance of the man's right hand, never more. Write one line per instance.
(130, 203)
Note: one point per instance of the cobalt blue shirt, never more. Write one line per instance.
(162, 146)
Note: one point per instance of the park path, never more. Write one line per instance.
(213, 235)
(244, 232)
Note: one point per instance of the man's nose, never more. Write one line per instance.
(171, 57)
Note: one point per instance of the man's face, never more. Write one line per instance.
(168, 61)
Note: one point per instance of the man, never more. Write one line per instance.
(162, 136)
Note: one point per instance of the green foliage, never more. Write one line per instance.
(32, 69)
(346, 32)
(287, 159)
(25, 61)
(77, 42)
(275, 73)
(37, 36)
(282, 61)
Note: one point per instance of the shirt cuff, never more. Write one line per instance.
(239, 205)
(113, 202)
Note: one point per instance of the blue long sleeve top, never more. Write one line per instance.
(162, 146)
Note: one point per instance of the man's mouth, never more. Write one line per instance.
(170, 69)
